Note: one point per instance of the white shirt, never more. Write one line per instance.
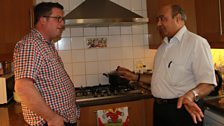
(181, 65)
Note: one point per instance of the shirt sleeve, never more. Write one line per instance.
(203, 65)
(26, 60)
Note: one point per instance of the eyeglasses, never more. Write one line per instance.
(59, 18)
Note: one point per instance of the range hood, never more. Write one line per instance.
(102, 13)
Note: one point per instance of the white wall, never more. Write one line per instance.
(126, 45)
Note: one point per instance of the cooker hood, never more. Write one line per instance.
(102, 13)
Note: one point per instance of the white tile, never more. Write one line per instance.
(66, 56)
(92, 80)
(68, 68)
(138, 40)
(144, 13)
(137, 29)
(77, 42)
(66, 32)
(114, 64)
(79, 68)
(90, 55)
(104, 66)
(65, 3)
(126, 40)
(91, 68)
(145, 29)
(77, 31)
(144, 4)
(78, 56)
(89, 31)
(147, 53)
(56, 45)
(136, 4)
(138, 52)
(129, 64)
(115, 53)
(103, 54)
(79, 80)
(127, 53)
(102, 31)
(126, 30)
(114, 30)
(64, 44)
(114, 41)
(126, 4)
(149, 63)
(146, 40)
(75, 3)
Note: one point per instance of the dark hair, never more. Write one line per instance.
(176, 9)
(44, 9)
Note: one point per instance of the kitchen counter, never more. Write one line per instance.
(213, 103)
(11, 113)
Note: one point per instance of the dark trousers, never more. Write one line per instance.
(167, 114)
(66, 124)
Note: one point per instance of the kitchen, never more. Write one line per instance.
(126, 46)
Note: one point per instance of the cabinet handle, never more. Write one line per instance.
(220, 17)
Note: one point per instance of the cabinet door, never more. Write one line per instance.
(14, 23)
(208, 16)
(137, 113)
(153, 7)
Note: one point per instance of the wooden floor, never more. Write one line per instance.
(11, 115)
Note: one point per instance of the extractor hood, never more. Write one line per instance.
(102, 13)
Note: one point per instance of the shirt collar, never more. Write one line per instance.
(178, 36)
(39, 35)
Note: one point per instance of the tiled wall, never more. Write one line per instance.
(126, 45)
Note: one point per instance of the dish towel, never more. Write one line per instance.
(113, 117)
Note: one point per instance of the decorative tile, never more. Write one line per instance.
(96, 42)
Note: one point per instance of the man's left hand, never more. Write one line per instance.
(192, 108)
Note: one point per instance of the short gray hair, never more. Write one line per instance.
(176, 9)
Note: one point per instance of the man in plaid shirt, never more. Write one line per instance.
(46, 91)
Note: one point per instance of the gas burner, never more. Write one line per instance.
(105, 90)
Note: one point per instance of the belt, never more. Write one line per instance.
(165, 101)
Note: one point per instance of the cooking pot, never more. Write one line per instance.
(115, 79)
(218, 76)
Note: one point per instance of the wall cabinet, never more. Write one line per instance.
(153, 7)
(140, 113)
(15, 22)
(210, 21)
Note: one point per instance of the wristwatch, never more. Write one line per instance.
(196, 96)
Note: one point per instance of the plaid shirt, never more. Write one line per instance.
(37, 58)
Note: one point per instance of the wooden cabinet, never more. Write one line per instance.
(140, 113)
(153, 7)
(15, 22)
(210, 21)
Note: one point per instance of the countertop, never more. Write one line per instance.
(11, 113)
(214, 104)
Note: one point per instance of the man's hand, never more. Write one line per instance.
(126, 73)
(192, 108)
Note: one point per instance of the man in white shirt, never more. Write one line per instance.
(183, 72)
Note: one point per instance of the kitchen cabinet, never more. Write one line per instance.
(140, 112)
(210, 21)
(153, 7)
(15, 22)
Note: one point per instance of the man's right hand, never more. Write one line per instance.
(127, 74)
